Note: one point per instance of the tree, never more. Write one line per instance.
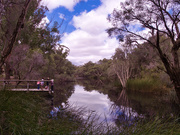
(6, 50)
(60, 58)
(26, 63)
(160, 20)
(122, 66)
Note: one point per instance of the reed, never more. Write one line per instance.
(146, 85)
(157, 126)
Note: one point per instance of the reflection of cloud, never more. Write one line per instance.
(93, 101)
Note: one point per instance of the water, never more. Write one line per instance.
(111, 104)
(92, 101)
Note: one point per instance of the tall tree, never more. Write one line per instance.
(26, 63)
(12, 38)
(122, 66)
(160, 18)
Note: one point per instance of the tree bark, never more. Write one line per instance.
(173, 72)
(7, 51)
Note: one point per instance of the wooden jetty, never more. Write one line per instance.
(30, 90)
(7, 82)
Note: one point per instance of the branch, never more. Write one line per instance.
(8, 49)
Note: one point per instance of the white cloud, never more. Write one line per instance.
(43, 22)
(62, 16)
(53, 4)
(90, 42)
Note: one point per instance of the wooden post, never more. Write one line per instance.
(49, 87)
(4, 85)
(27, 86)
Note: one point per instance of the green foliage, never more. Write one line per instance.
(96, 71)
(36, 52)
(164, 41)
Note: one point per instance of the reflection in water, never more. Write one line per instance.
(111, 104)
(123, 114)
(54, 110)
(93, 101)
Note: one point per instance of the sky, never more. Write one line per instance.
(84, 27)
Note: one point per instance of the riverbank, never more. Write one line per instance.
(29, 113)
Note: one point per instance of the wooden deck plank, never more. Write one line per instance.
(29, 90)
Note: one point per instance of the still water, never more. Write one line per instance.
(93, 101)
(111, 104)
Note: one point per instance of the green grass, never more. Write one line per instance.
(24, 113)
(157, 126)
(146, 85)
(21, 113)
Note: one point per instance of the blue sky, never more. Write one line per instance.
(63, 12)
(84, 27)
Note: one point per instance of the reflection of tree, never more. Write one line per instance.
(121, 111)
(62, 91)
(151, 105)
(98, 85)
(127, 105)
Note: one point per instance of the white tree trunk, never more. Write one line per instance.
(122, 70)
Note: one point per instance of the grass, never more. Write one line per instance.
(146, 85)
(28, 114)
(21, 114)
(24, 113)
(158, 126)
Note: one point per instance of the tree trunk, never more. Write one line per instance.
(7, 51)
(177, 89)
(173, 72)
(175, 77)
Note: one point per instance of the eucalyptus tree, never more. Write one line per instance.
(35, 33)
(60, 58)
(153, 19)
(15, 16)
(9, 29)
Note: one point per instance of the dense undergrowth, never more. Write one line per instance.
(24, 113)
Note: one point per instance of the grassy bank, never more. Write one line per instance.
(147, 85)
(28, 114)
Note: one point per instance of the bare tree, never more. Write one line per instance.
(160, 20)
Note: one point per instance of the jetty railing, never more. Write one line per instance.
(5, 83)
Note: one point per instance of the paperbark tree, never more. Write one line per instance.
(122, 67)
(153, 19)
